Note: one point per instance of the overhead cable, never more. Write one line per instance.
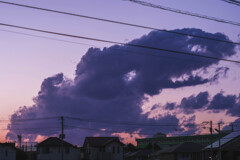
(119, 43)
(118, 22)
(44, 37)
(111, 131)
(27, 119)
(111, 48)
(30, 129)
(119, 123)
(185, 12)
(232, 2)
(132, 123)
(119, 132)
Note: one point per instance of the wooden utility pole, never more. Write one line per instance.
(19, 141)
(232, 126)
(62, 136)
(62, 119)
(211, 141)
(152, 146)
(219, 141)
(30, 152)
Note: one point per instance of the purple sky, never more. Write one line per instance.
(26, 61)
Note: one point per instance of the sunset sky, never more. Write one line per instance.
(113, 84)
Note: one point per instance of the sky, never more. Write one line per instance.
(40, 73)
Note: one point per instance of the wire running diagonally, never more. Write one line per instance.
(119, 43)
(232, 2)
(118, 22)
(185, 12)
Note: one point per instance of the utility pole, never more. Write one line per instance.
(19, 141)
(62, 136)
(30, 152)
(232, 125)
(62, 119)
(211, 131)
(219, 141)
(26, 145)
(152, 146)
(211, 139)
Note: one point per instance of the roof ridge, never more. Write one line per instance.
(50, 141)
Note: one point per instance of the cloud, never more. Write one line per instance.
(111, 85)
(220, 101)
(190, 104)
(231, 103)
(170, 106)
(235, 125)
(202, 101)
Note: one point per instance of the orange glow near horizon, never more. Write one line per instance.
(128, 138)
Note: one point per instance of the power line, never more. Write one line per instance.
(99, 130)
(84, 128)
(92, 129)
(117, 131)
(132, 123)
(44, 37)
(28, 119)
(232, 2)
(110, 122)
(138, 124)
(185, 12)
(120, 43)
(119, 123)
(117, 22)
(231, 122)
(34, 119)
(117, 49)
(110, 131)
(87, 44)
(34, 129)
(106, 121)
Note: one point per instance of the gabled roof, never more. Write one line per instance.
(100, 141)
(184, 147)
(54, 141)
(225, 140)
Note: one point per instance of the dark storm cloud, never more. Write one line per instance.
(189, 125)
(194, 102)
(106, 68)
(235, 110)
(189, 105)
(220, 101)
(111, 84)
(202, 101)
(231, 103)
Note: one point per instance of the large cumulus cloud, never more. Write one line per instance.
(111, 84)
